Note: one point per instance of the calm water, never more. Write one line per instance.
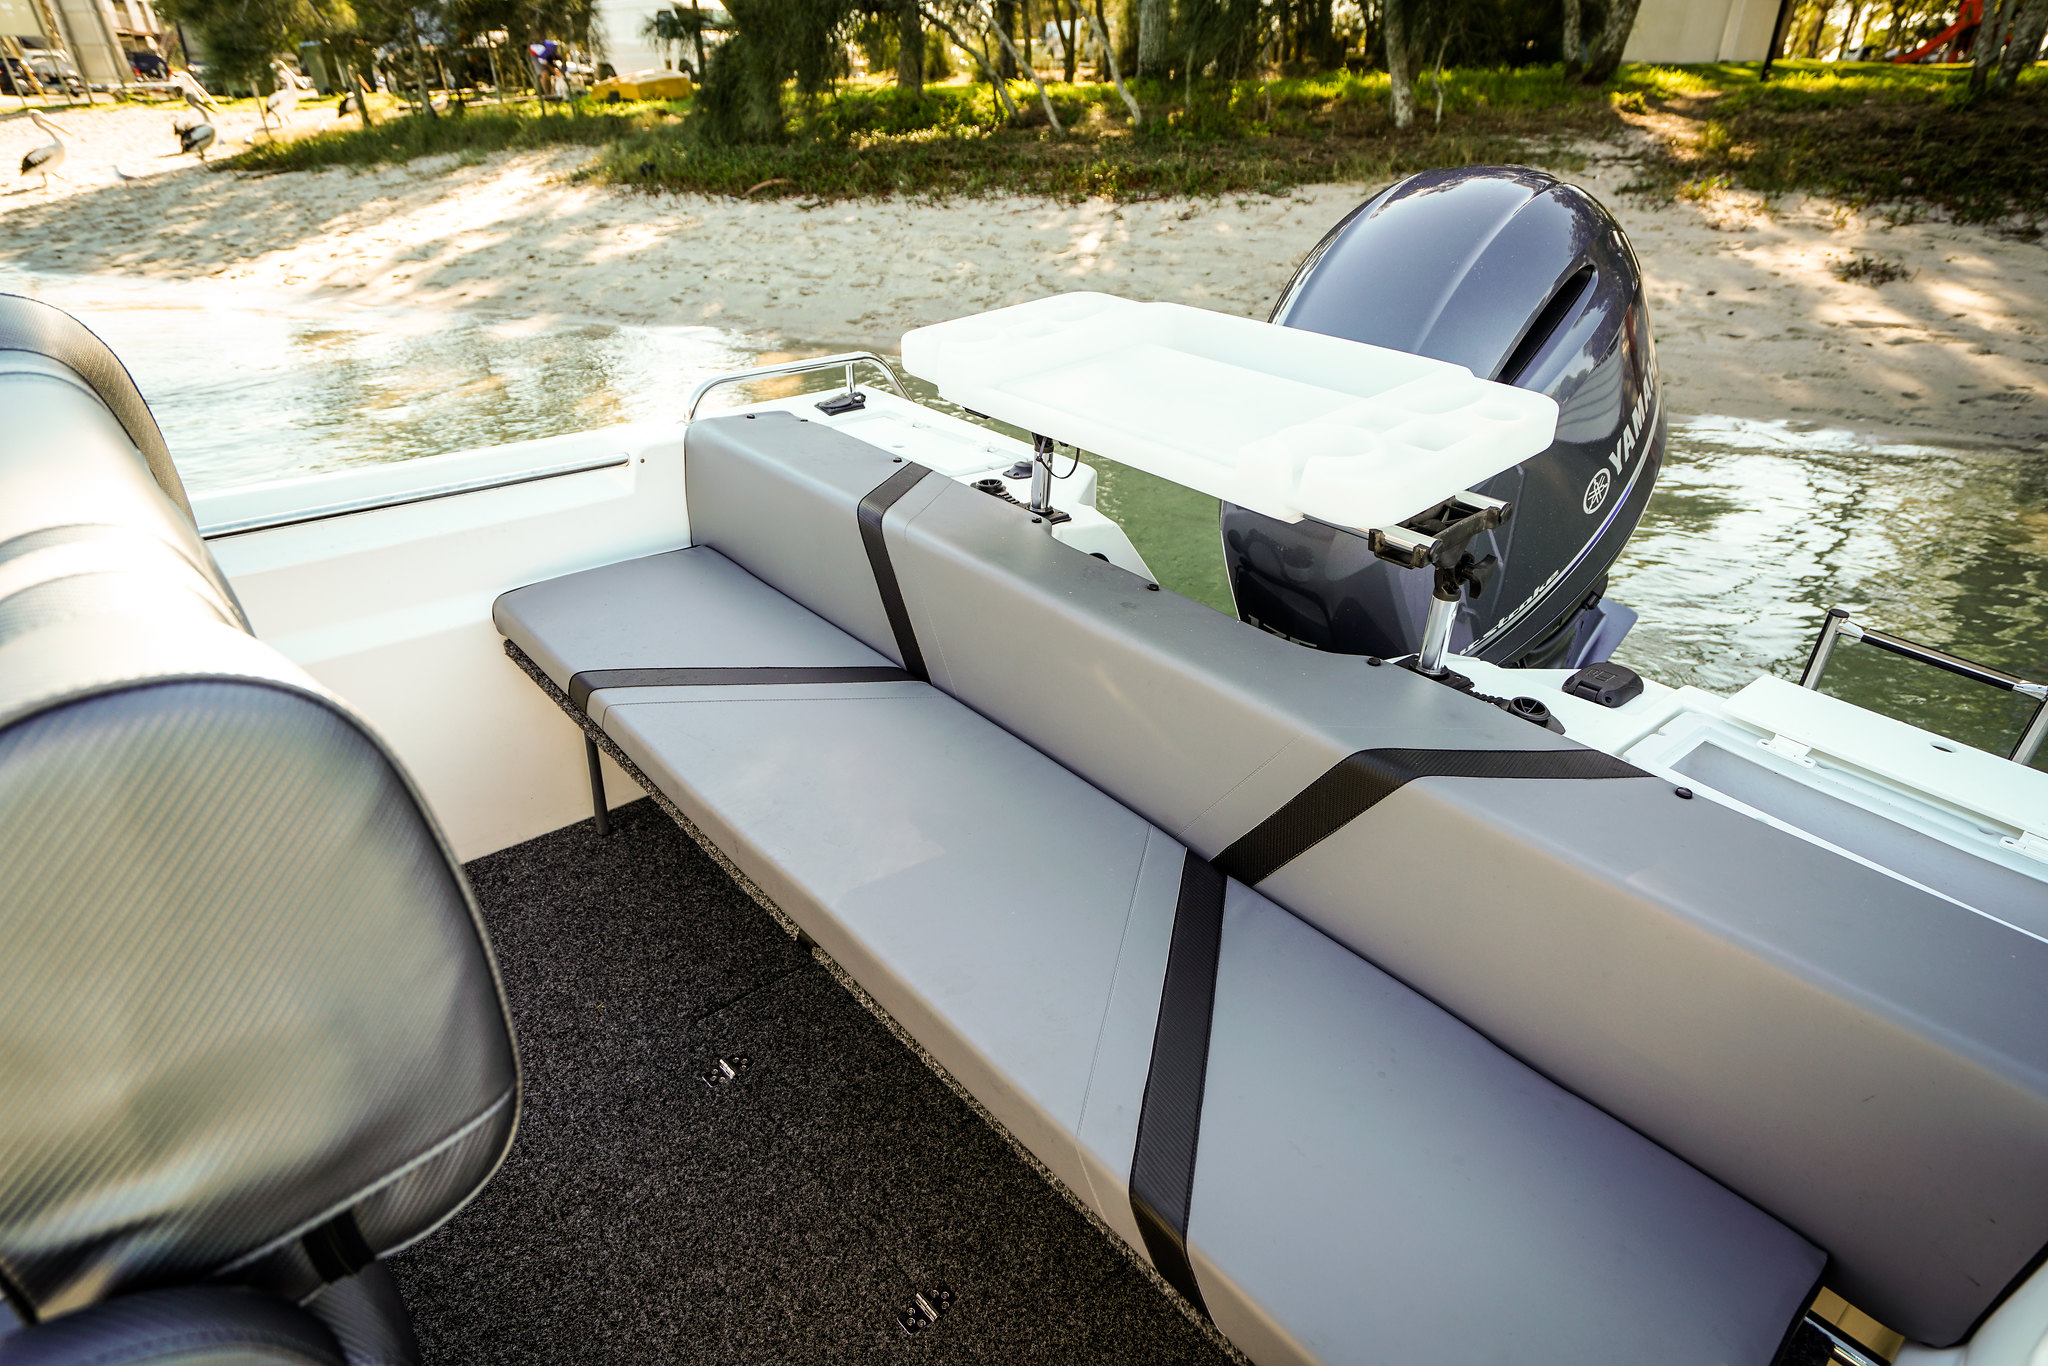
(1755, 529)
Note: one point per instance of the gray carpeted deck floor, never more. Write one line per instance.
(787, 1216)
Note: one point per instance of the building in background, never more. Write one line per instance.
(106, 39)
(1668, 32)
(621, 22)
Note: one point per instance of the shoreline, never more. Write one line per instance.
(1750, 319)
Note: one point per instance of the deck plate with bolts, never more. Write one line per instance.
(925, 1310)
(725, 1072)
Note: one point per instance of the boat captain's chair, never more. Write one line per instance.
(251, 1035)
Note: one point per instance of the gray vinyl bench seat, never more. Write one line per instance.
(881, 816)
(1366, 1178)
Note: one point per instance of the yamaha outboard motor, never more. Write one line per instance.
(1522, 279)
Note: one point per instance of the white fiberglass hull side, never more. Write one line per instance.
(391, 607)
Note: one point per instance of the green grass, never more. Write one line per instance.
(475, 131)
(1864, 133)
(1219, 137)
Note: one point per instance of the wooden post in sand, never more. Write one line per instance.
(12, 49)
(60, 34)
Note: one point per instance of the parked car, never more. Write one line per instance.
(52, 70)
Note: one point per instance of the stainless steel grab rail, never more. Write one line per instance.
(1840, 626)
(377, 502)
(849, 359)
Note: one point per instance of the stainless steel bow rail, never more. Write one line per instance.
(847, 402)
(1839, 625)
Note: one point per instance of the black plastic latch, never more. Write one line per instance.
(1610, 684)
(846, 401)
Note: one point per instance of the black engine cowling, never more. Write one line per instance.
(1522, 279)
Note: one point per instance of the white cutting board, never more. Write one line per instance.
(1282, 421)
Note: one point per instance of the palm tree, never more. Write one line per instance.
(670, 26)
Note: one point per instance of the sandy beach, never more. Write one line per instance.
(1750, 317)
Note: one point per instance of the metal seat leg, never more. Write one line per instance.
(601, 815)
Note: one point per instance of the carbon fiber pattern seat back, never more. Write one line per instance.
(243, 988)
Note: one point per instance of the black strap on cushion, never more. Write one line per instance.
(337, 1248)
(880, 500)
(1170, 1118)
(582, 685)
(1360, 781)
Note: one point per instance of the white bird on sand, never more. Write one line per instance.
(281, 101)
(195, 94)
(45, 160)
(195, 137)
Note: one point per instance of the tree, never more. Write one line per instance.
(1595, 63)
(243, 37)
(2006, 42)
(909, 48)
(2028, 27)
(1155, 24)
(670, 27)
(1400, 65)
(773, 41)
(1101, 22)
(1006, 21)
(1849, 30)
(1598, 61)
(523, 21)
(1225, 34)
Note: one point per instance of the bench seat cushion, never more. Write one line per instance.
(1017, 922)
(1723, 986)
(976, 889)
(686, 609)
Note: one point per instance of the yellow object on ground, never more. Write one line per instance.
(644, 85)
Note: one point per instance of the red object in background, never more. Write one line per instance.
(1968, 17)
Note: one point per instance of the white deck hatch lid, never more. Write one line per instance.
(1994, 787)
(1285, 422)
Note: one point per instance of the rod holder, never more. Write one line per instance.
(1436, 634)
(1041, 474)
(1441, 540)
